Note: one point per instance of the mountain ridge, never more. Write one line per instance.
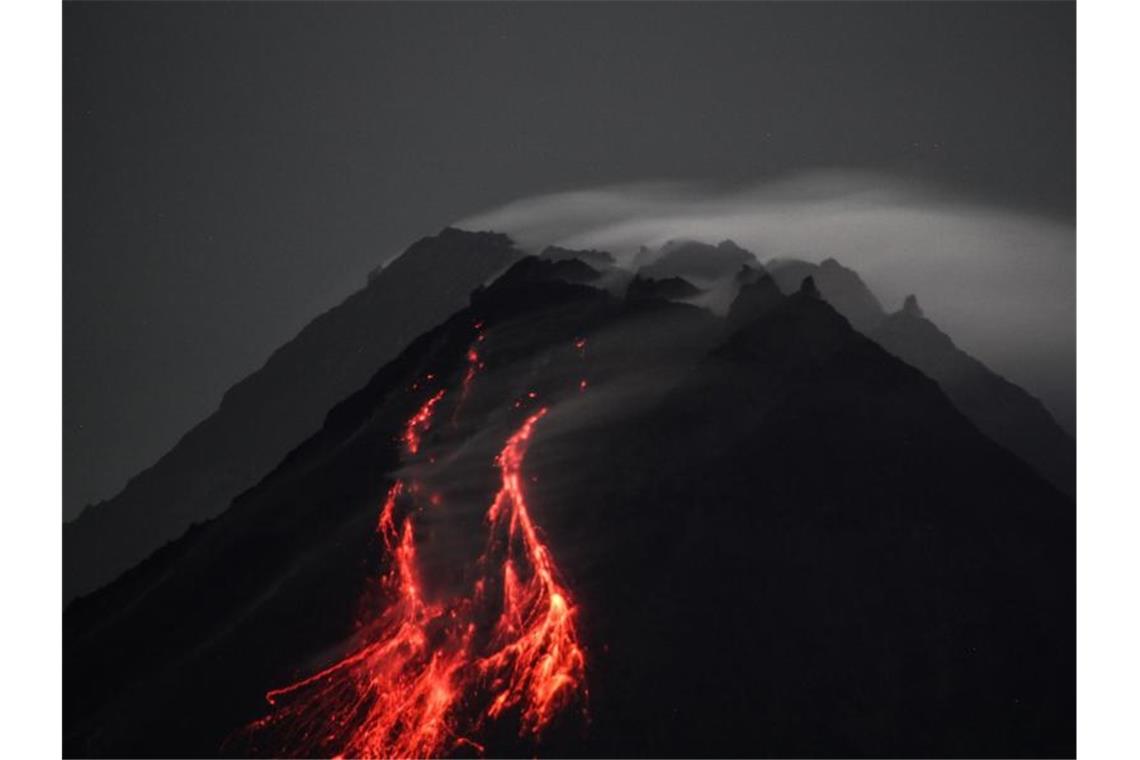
(1002, 410)
(261, 416)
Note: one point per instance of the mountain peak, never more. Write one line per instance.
(455, 235)
(911, 307)
(839, 286)
(750, 273)
(590, 256)
(808, 287)
(758, 294)
(669, 288)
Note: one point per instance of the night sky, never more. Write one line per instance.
(231, 170)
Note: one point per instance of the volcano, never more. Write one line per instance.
(576, 522)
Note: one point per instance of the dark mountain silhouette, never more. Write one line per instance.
(757, 295)
(264, 415)
(596, 259)
(533, 269)
(1000, 409)
(781, 540)
(698, 262)
(669, 289)
(750, 273)
(841, 287)
(852, 569)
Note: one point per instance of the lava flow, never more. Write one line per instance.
(474, 364)
(420, 423)
(432, 673)
(538, 659)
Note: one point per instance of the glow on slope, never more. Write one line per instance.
(420, 423)
(538, 660)
(431, 674)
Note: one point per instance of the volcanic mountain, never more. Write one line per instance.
(565, 522)
(267, 413)
(1002, 410)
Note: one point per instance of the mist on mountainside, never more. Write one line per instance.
(1000, 280)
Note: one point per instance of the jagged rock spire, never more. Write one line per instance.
(911, 307)
(808, 287)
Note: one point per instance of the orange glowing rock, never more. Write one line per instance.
(427, 674)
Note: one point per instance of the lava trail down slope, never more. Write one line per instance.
(432, 671)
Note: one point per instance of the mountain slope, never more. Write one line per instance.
(1000, 409)
(264, 415)
(837, 562)
(777, 539)
(1003, 411)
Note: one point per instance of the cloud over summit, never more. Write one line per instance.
(1001, 282)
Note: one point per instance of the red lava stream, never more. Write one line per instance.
(433, 673)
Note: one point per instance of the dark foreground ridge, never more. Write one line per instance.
(780, 540)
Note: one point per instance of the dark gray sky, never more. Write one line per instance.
(232, 170)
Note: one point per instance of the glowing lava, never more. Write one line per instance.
(432, 673)
(420, 423)
(474, 364)
(538, 661)
(392, 697)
